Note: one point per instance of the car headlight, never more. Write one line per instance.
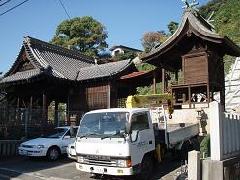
(123, 163)
(80, 159)
(40, 146)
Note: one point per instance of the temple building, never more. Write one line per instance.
(195, 54)
(45, 75)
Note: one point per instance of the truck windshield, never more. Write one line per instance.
(103, 125)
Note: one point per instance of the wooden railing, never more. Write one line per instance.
(9, 147)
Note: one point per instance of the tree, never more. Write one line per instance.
(152, 39)
(81, 33)
(226, 21)
(172, 27)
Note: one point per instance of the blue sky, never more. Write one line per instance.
(126, 20)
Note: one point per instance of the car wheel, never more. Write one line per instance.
(53, 154)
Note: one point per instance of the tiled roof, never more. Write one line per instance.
(63, 63)
(25, 75)
(103, 70)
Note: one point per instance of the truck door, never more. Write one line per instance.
(142, 136)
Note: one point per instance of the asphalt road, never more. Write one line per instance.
(19, 168)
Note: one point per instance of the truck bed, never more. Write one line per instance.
(176, 133)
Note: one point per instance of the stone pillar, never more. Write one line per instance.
(216, 130)
(194, 165)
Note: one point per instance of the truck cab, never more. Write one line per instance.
(116, 142)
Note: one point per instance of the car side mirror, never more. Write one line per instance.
(67, 137)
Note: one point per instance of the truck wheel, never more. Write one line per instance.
(146, 168)
(53, 154)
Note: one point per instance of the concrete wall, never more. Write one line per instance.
(228, 169)
(199, 115)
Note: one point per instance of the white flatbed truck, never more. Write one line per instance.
(126, 141)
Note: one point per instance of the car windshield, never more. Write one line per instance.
(103, 125)
(57, 133)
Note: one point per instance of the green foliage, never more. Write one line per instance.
(172, 27)
(147, 90)
(226, 21)
(145, 67)
(205, 146)
(81, 33)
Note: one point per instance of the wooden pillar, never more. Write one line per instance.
(44, 108)
(163, 80)
(30, 108)
(109, 96)
(154, 83)
(189, 96)
(18, 106)
(176, 76)
(18, 102)
(166, 83)
(56, 114)
(222, 99)
(68, 106)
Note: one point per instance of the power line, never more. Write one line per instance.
(64, 8)
(5, 2)
(13, 7)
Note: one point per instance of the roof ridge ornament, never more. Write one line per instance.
(191, 5)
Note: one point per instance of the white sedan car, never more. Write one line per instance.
(51, 146)
(71, 151)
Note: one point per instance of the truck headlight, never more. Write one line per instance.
(80, 159)
(124, 163)
(40, 146)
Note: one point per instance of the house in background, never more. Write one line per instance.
(120, 49)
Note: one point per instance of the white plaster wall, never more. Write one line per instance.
(117, 49)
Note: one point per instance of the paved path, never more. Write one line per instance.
(64, 169)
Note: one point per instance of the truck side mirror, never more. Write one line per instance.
(128, 128)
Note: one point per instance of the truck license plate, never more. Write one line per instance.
(98, 170)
